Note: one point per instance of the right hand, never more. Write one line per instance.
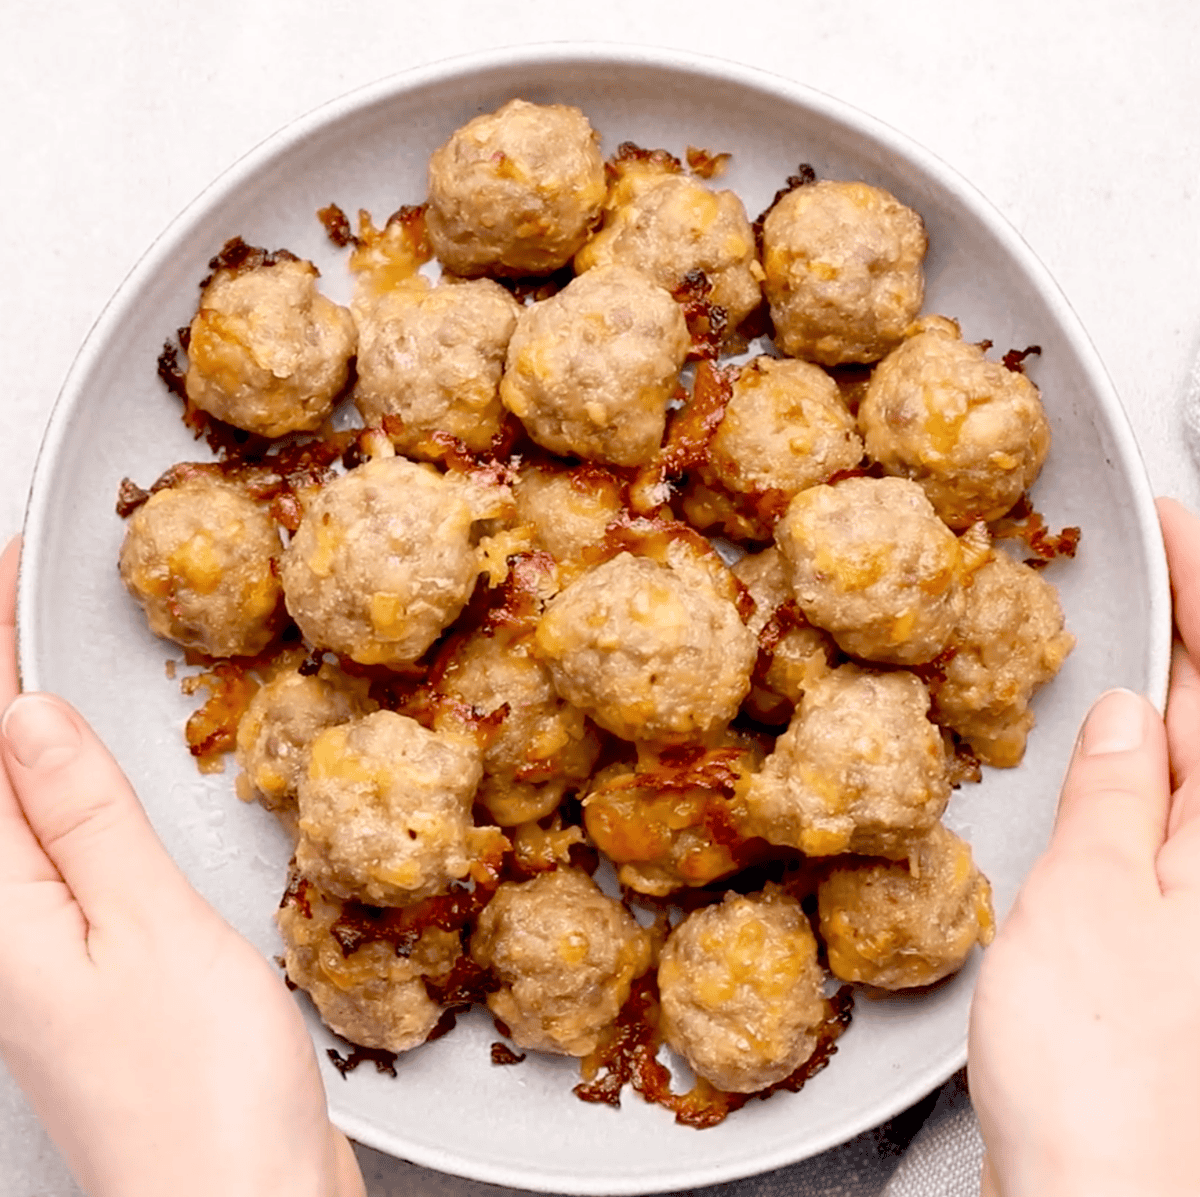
(1084, 1055)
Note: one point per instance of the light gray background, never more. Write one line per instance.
(1079, 119)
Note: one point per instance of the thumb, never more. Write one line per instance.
(1116, 796)
(85, 815)
(988, 1186)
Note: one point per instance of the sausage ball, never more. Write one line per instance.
(675, 226)
(385, 809)
(382, 561)
(432, 356)
(267, 351)
(742, 992)
(873, 565)
(568, 510)
(542, 747)
(565, 954)
(673, 824)
(900, 925)
(280, 724)
(1009, 643)
(201, 556)
(785, 428)
(860, 768)
(591, 370)
(374, 996)
(796, 653)
(972, 432)
(515, 191)
(648, 652)
(843, 271)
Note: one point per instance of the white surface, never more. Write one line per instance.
(1079, 120)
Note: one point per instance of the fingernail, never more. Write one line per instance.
(39, 732)
(1116, 723)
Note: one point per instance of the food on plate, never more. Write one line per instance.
(565, 954)
(1009, 642)
(669, 225)
(792, 653)
(567, 510)
(382, 561)
(431, 358)
(201, 557)
(275, 734)
(516, 191)
(742, 991)
(372, 994)
(267, 352)
(970, 431)
(785, 428)
(674, 820)
(649, 652)
(591, 370)
(909, 923)
(844, 271)
(861, 768)
(540, 747)
(385, 810)
(609, 692)
(871, 563)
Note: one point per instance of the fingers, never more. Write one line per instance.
(1114, 802)
(1181, 536)
(85, 816)
(349, 1177)
(1183, 716)
(987, 1178)
(8, 621)
(21, 858)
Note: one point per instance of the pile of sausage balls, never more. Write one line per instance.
(777, 660)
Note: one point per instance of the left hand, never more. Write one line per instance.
(162, 1052)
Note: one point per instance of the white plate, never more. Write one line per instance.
(80, 635)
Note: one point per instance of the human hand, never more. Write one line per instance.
(1084, 1056)
(161, 1051)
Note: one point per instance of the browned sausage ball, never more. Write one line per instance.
(280, 724)
(432, 356)
(906, 924)
(859, 769)
(667, 825)
(742, 990)
(515, 191)
(650, 652)
(385, 809)
(843, 271)
(567, 509)
(591, 370)
(1009, 643)
(785, 428)
(565, 954)
(200, 557)
(543, 746)
(382, 562)
(798, 653)
(373, 996)
(972, 432)
(673, 225)
(267, 351)
(873, 565)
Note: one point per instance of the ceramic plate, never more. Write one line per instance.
(450, 1108)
